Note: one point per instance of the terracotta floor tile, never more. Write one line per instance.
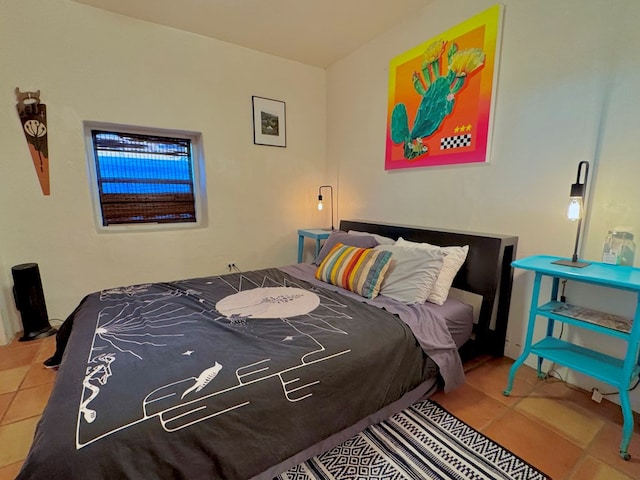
(576, 398)
(11, 379)
(472, 406)
(10, 472)
(606, 445)
(37, 375)
(16, 439)
(551, 388)
(491, 378)
(15, 342)
(554, 455)
(47, 349)
(27, 403)
(526, 373)
(18, 356)
(606, 410)
(5, 401)
(591, 468)
(572, 424)
(476, 362)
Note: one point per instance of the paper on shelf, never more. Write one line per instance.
(608, 320)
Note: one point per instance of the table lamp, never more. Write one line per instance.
(575, 212)
(321, 206)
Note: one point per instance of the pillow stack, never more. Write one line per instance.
(408, 272)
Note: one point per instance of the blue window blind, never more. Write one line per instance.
(144, 178)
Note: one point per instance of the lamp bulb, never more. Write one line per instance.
(574, 212)
(320, 206)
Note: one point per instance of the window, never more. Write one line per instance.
(144, 178)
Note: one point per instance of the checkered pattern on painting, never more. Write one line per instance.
(456, 141)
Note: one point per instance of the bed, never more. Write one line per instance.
(246, 375)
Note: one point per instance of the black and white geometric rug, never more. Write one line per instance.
(423, 441)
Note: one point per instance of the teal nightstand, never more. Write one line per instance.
(619, 372)
(318, 234)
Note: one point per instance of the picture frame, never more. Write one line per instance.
(269, 122)
(442, 95)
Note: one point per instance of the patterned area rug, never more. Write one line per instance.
(423, 441)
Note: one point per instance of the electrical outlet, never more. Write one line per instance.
(231, 266)
(596, 396)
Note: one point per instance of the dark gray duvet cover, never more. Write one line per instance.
(217, 377)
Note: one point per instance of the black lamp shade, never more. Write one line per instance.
(577, 190)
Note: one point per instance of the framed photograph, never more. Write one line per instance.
(269, 123)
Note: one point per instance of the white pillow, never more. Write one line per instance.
(453, 260)
(379, 238)
(412, 273)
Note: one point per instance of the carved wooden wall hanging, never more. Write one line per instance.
(33, 116)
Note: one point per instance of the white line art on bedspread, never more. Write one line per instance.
(203, 380)
(101, 373)
(141, 319)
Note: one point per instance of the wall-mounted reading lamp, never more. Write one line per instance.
(575, 212)
(320, 205)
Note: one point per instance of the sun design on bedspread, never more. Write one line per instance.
(283, 300)
(128, 326)
(141, 319)
(304, 310)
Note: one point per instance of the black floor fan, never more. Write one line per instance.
(29, 298)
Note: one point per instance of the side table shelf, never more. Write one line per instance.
(618, 372)
(601, 322)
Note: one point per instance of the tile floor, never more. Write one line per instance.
(554, 427)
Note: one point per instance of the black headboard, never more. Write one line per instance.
(487, 272)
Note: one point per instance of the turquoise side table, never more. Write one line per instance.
(618, 372)
(317, 234)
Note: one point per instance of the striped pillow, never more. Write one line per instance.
(360, 270)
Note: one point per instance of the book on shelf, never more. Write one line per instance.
(608, 320)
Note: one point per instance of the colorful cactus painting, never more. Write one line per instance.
(438, 94)
(441, 96)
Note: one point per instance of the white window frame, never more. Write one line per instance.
(197, 162)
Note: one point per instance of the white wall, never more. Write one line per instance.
(615, 200)
(93, 65)
(555, 73)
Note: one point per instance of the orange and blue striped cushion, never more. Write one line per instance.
(360, 270)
